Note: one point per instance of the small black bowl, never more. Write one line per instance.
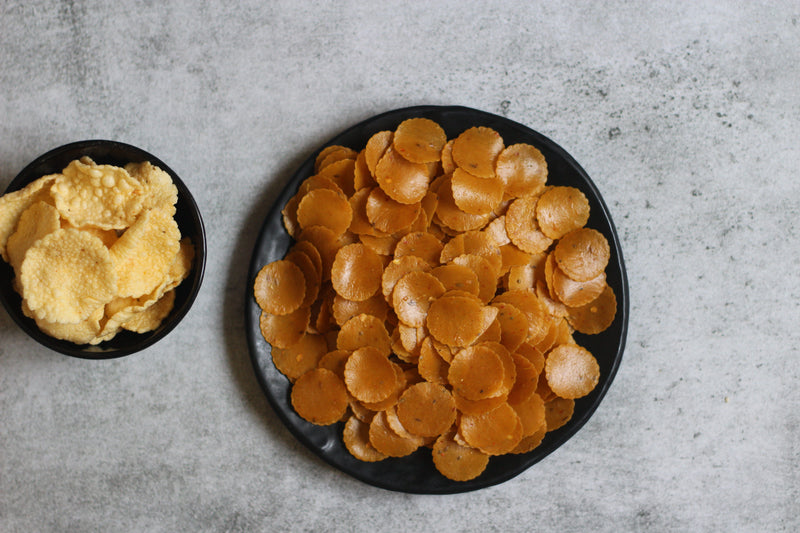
(189, 222)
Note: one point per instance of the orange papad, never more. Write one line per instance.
(434, 287)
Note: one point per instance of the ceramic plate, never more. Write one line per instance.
(416, 473)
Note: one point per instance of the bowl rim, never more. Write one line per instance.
(130, 342)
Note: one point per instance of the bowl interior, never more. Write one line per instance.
(189, 222)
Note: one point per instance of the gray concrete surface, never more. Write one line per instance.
(686, 116)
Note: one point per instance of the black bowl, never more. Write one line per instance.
(416, 473)
(187, 216)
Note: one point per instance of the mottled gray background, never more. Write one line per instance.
(685, 114)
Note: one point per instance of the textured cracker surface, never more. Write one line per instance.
(684, 114)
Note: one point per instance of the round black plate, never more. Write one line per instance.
(416, 473)
(189, 222)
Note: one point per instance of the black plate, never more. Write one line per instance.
(416, 473)
(189, 222)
